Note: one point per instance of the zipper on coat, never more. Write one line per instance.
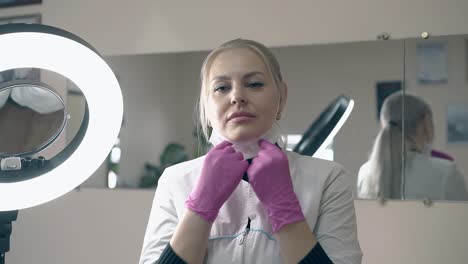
(246, 231)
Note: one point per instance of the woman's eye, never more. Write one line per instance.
(220, 88)
(255, 84)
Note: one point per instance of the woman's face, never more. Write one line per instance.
(243, 101)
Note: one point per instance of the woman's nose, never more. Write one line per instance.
(238, 100)
(238, 96)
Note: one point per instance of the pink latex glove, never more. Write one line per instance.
(270, 178)
(222, 171)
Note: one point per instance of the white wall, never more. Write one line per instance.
(117, 27)
(102, 226)
(88, 226)
(408, 232)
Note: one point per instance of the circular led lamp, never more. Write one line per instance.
(53, 49)
(322, 131)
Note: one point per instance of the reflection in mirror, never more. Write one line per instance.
(427, 176)
(421, 121)
(319, 73)
(380, 176)
(31, 116)
(436, 72)
(423, 176)
(321, 132)
(160, 93)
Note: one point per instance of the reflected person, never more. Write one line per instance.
(425, 176)
(289, 208)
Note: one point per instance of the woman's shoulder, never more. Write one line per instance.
(312, 162)
(442, 162)
(315, 168)
(433, 162)
(181, 171)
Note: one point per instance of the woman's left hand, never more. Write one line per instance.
(270, 178)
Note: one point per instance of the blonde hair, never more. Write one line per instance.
(385, 161)
(262, 51)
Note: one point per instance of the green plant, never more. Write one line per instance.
(173, 153)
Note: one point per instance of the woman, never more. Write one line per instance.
(425, 176)
(289, 208)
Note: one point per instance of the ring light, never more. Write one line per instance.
(53, 49)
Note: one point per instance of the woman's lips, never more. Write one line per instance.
(241, 117)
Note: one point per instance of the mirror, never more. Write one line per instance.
(421, 144)
(325, 127)
(436, 73)
(32, 115)
(160, 91)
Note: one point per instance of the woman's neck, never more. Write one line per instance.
(249, 148)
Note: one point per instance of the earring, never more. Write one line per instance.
(278, 116)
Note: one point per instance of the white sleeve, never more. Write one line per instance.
(162, 222)
(454, 186)
(336, 229)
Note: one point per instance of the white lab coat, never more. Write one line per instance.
(323, 192)
(428, 177)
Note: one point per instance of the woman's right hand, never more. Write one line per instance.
(222, 171)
